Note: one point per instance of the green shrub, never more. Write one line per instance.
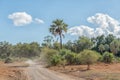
(56, 60)
(63, 52)
(108, 57)
(70, 57)
(117, 59)
(88, 57)
(46, 55)
(77, 59)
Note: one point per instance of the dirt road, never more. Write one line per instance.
(38, 72)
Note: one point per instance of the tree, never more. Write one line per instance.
(101, 48)
(97, 41)
(58, 27)
(68, 45)
(109, 38)
(48, 40)
(115, 46)
(88, 57)
(27, 50)
(71, 46)
(83, 43)
(107, 48)
(56, 45)
(100, 40)
(108, 57)
(5, 49)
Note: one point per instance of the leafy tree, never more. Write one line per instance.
(48, 40)
(115, 46)
(107, 47)
(83, 43)
(58, 27)
(109, 38)
(88, 57)
(97, 41)
(100, 40)
(101, 48)
(71, 46)
(56, 45)
(108, 57)
(27, 50)
(5, 49)
(68, 45)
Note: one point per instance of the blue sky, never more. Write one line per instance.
(74, 12)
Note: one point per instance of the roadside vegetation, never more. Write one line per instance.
(20, 51)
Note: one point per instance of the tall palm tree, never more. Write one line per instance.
(58, 27)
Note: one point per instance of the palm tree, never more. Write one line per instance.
(58, 27)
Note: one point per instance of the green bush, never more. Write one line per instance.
(108, 57)
(63, 52)
(66, 55)
(46, 55)
(88, 57)
(77, 59)
(117, 59)
(56, 60)
(70, 57)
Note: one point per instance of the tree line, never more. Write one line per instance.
(20, 50)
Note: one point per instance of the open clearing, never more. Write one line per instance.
(99, 71)
(37, 72)
(11, 71)
(34, 71)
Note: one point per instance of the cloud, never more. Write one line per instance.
(20, 18)
(23, 18)
(37, 20)
(81, 31)
(104, 25)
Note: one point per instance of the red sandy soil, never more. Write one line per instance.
(99, 71)
(10, 73)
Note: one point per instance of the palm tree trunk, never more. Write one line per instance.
(60, 41)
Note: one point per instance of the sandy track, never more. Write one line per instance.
(38, 72)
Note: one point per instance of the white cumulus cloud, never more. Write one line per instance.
(37, 20)
(20, 18)
(81, 31)
(104, 25)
